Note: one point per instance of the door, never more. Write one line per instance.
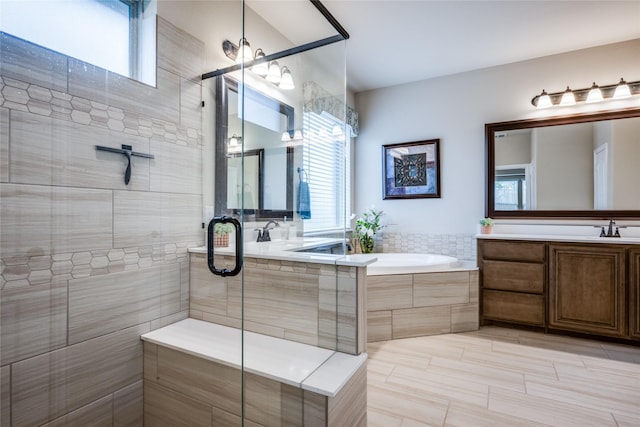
(587, 289)
(634, 300)
(601, 177)
(268, 140)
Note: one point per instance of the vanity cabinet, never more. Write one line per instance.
(634, 288)
(513, 281)
(587, 288)
(575, 287)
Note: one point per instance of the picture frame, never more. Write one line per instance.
(411, 170)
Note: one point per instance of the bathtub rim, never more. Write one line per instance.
(451, 264)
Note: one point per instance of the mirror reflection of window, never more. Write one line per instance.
(247, 189)
(511, 189)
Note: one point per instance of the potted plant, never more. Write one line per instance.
(221, 234)
(366, 227)
(486, 225)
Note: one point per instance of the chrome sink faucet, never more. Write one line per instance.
(263, 233)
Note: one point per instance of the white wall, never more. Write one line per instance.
(565, 167)
(455, 109)
(626, 164)
(513, 149)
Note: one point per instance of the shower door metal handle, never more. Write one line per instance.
(210, 246)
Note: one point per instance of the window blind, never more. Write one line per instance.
(326, 158)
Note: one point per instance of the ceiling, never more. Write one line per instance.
(394, 42)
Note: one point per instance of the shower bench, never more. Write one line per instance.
(193, 376)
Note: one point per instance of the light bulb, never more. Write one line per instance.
(286, 81)
(568, 98)
(274, 75)
(595, 94)
(244, 51)
(622, 90)
(544, 100)
(262, 68)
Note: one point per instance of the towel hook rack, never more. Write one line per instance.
(303, 175)
(127, 151)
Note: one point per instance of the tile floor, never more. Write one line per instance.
(502, 377)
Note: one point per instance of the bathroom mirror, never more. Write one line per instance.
(268, 162)
(237, 188)
(580, 166)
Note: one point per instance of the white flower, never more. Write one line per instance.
(368, 224)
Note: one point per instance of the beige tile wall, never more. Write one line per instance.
(44, 68)
(34, 320)
(4, 142)
(184, 390)
(291, 300)
(5, 395)
(88, 263)
(36, 142)
(410, 305)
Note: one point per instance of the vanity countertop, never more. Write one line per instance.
(560, 238)
(292, 250)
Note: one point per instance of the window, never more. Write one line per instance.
(326, 158)
(511, 189)
(118, 35)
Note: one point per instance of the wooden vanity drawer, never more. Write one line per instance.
(513, 251)
(513, 276)
(513, 307)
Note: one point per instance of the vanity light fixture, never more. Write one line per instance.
(286, 80)
(291, 135)
(568, 98)
(259, 64)
(622, 90)
(544, 100)
(274, 76)
(595, 94)
(235, 144)
(592, 94)
(260, 68)
(244, 52)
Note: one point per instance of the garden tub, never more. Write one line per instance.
(410, 263)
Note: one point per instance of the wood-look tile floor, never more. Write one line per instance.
(502, 377)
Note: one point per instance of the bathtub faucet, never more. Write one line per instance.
(263, 234)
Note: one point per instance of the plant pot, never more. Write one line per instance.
(486, 229)
(221, 240)
(366, 244)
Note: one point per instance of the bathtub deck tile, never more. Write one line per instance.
(465, 317)
(440, 289)
(379, 325)
(413, 322)
(389, 292)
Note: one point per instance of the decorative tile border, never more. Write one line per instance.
(36, 270)
(461, 246)
(18, 95)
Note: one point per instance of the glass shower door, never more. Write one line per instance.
(281, 151)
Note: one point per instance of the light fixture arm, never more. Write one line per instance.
(581, 94)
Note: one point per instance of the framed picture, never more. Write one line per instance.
(411, 170)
